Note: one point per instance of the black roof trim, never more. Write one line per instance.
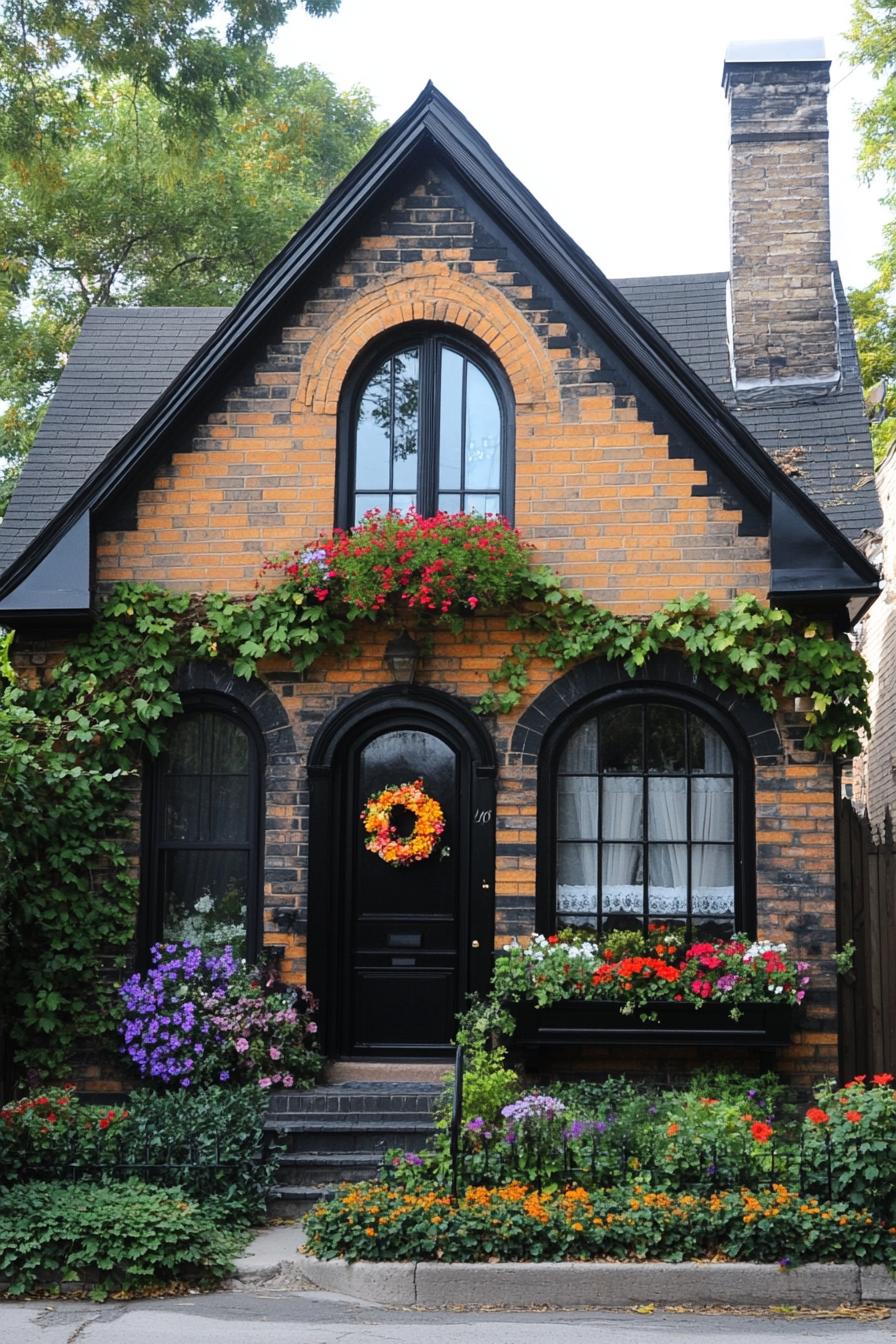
(432, 120)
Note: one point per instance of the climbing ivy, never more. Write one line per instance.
(70, 749)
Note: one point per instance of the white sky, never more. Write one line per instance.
(611, 113)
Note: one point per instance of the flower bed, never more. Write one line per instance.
(516, 1221)
(608, 1170)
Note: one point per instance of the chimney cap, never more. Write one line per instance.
(775, 51)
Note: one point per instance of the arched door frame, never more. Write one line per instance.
(362, 717)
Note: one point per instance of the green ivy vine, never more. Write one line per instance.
(70, 750)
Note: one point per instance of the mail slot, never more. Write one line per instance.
(404, 940)
(404, 961)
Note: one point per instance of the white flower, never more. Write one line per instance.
(758, 948)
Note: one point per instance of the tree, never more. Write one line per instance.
(873, 35)
(117, 211)
(175, 49)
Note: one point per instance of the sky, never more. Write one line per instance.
(611, 113)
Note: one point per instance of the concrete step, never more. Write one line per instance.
(324, 1168)
(354, 1135)
(387, 1071)
(294, 1201)
(356, 1099)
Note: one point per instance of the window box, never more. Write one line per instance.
(595, 1022)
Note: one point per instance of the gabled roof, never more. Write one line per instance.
(122, 362)
(819, 436)
(811, 558)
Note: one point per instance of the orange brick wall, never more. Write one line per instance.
(606, 499)
(596, 488)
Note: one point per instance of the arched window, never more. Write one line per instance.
(427, 423)
(202, 849)
(649, 822)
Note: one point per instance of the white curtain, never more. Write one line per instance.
(622, 832)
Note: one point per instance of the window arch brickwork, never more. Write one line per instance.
(426, 421)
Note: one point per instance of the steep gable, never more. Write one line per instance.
(641, 373)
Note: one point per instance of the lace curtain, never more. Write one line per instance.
(665, 838)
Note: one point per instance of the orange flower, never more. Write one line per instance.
(672, 1130)
(816, 1116)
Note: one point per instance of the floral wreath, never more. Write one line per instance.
(382, 837)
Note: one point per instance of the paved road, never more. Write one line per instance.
(323, 1318)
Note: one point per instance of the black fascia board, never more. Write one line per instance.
(433, 121)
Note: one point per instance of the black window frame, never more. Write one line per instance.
(152, 844)
(744, 819)
(430, 337)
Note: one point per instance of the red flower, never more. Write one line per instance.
(552, 938)
(816, 1116)
(882, 1079)
(761, 1131)
(104, 1123)
(854, 1117)
(671, 1130)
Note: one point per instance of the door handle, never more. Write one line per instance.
(475, 942)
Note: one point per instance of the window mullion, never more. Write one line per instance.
(428, 426)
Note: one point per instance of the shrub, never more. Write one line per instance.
(848, 1142)
(209, 1141)
(53, 1129)
(517, 1222)
(198, 1017)
(118, 1237)
(218, 1132)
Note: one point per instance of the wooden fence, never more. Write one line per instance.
(866, 915)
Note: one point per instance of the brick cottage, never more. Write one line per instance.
(432, 338)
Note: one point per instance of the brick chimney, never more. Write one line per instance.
(783, 318)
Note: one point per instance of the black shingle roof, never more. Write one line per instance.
(125, 358)
(820, 439)
(121, 363)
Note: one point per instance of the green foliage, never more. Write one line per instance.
(631, 1221)
(116, 1237)
(855, 1145)
(175, 50)
(116, 211)
(209, 1142)
(873, 37)
(844, 959)
(749, 648)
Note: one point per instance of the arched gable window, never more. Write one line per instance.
(648, 797)
(202, 831)
(427, 422)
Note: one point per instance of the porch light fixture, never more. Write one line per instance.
(401, 657)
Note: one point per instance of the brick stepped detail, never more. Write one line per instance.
(340, 1132)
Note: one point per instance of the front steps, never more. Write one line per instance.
(339, 1132)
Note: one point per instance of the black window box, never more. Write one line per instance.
(596, 1022)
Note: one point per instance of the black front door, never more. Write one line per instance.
(406, 928)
